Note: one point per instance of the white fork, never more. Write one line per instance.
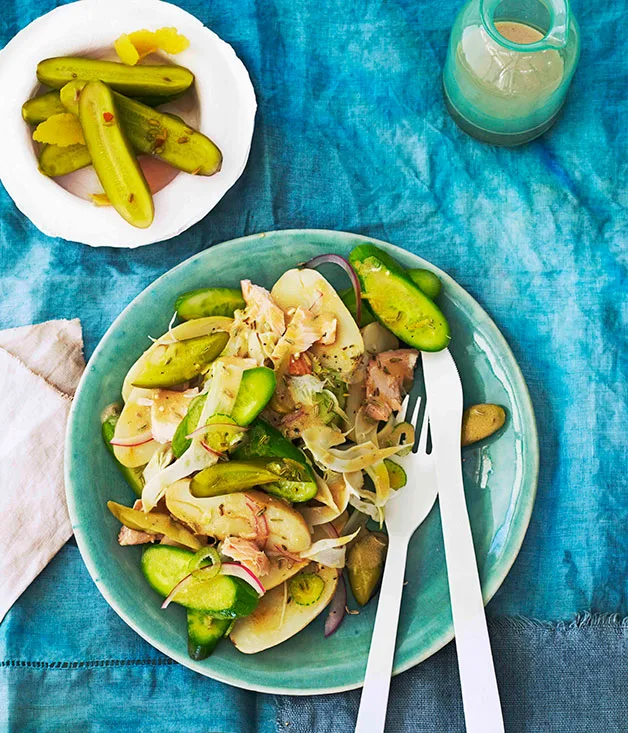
(404, 513)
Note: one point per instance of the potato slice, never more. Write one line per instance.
(182, 332)
(134, 420)
(232, 515)
(309, 289)
(167, 411)
(281, 569)
(270, 624)
(377, 339)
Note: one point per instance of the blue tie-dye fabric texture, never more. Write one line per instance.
(352, 134)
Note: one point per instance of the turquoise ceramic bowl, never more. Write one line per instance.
(500, 478)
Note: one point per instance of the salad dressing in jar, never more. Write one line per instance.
(509, 66)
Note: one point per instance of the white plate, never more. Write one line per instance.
(227, 115)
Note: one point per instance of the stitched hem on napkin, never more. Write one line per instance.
(583, 620)
(553, 676)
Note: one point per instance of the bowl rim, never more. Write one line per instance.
(490, 586)
(94, 25)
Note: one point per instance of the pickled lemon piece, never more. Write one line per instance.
(63, 129)
(127, 53)
(171, 41)
(133, 47)
(100, 199)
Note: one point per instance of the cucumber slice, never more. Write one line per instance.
(142, 81)
(306, 588)
(222, 597)
(426, 280)
(429, 283)
(397, 302)
(189, 423)
(396, 474)
(365, 564)
(155, 523)
(204, 633)
(265, 441)
(209, 302)
(133, 476)
(180, 361)
(280, 476)
(165, 566)
(256, 389)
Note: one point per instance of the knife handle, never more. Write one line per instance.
(480, 695)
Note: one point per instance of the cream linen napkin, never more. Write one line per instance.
(40, 367)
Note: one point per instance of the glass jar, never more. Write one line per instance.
(509, 66)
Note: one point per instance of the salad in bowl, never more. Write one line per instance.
(260, 436)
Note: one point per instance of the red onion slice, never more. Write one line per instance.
(178, 587)
(337, 608)
(133, 441)
(239, 571)
(348, 268)
(277, 550)
(211, 450)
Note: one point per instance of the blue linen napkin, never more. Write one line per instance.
(352, 134)
(70, 664)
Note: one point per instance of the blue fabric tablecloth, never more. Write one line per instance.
(352, 134)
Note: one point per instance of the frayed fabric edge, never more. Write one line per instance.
(582, 620)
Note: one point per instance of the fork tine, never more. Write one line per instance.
(422, 444)
(403, 410)
(412, 418)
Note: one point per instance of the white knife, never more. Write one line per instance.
(480, 696)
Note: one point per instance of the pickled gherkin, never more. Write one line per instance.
(39, 109)
(231, 476)
(144, 81)
(365, 564)
(112, 157)
(167, 365)
(156, 133)
(154, 523)
(57, 161)
(169, 138)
